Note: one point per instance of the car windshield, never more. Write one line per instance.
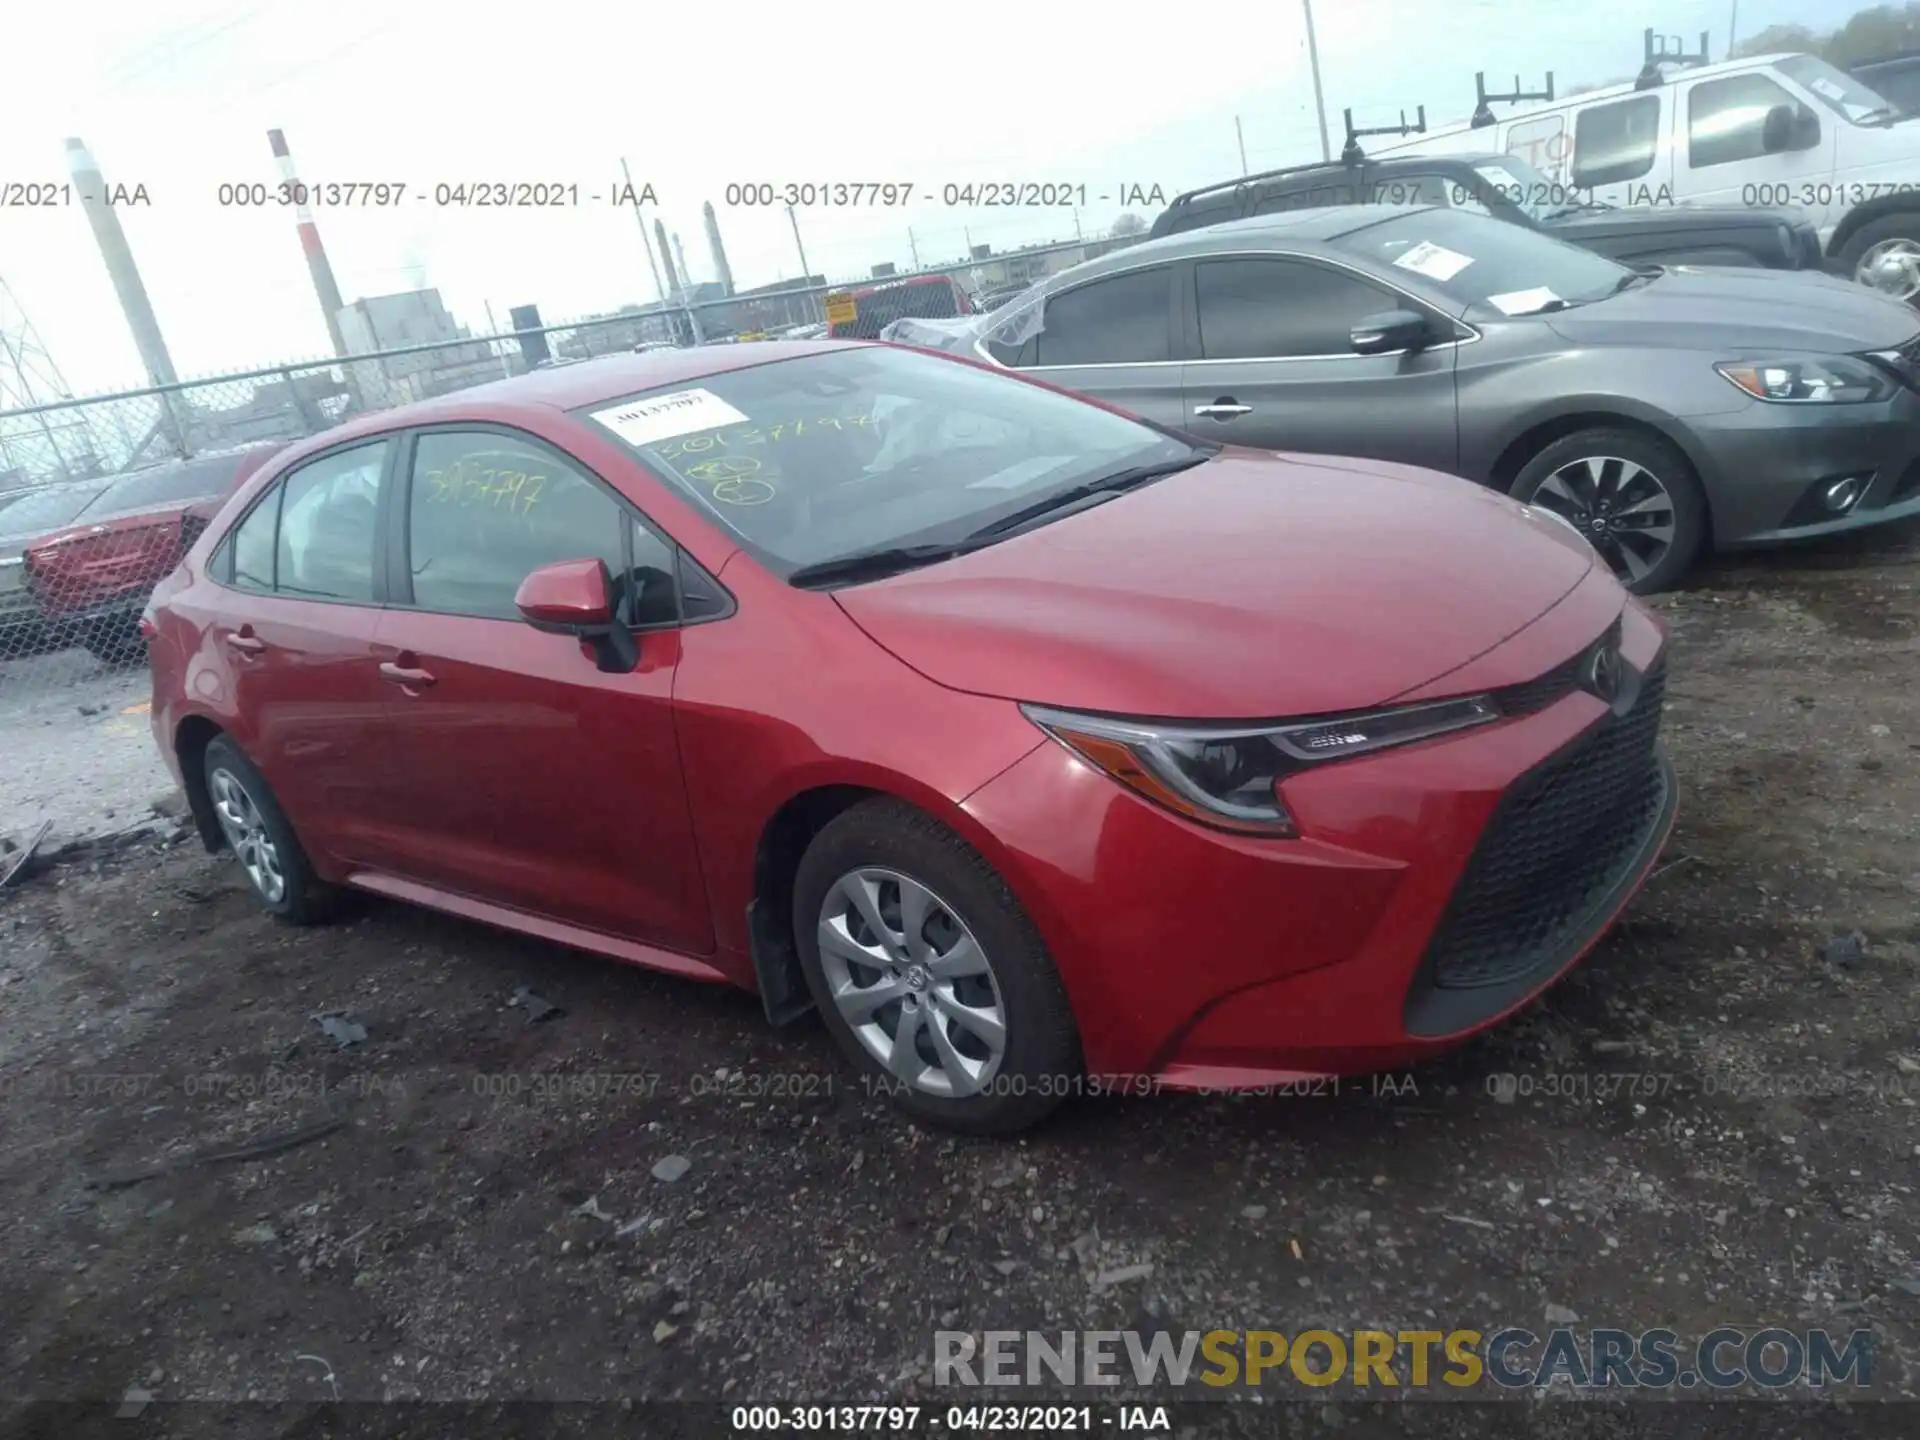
(1487, 263)
(831, 454)
(178, 483)
(1846, 96)
(48, 509)
(1522, 186)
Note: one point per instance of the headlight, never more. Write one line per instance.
(1827, 379)
(1229, 776)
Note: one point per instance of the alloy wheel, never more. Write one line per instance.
(247, 833)
(1892, 267)
(1623, 508)
(912, 983)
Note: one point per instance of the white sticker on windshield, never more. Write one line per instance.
(1827, 88)
(661, 417)
(1436, 262)
(1523, 302)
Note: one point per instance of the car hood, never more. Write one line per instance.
(1638, 219)
(1253, 586)
(1734, 310)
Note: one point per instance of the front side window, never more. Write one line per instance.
(1255, 309)
(818, 456)
(329, 518)
(1123, 319)
(1617, 141)
(485, 509)
(1727, 119)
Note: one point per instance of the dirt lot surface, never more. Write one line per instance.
(1714, 1121)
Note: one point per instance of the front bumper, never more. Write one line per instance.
(1765, 465)
(1216, 960)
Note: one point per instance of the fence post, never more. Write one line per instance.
(310, 422)
(174, 428)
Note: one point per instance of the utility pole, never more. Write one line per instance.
(1241, 136)
(913, 247)
(1319, 98)
(1733, 27)
(645, 239)
(806, 275)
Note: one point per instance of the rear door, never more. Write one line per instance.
(529, 777)
(1111, 337)
(296, 646)
(1275, 366)
(1623, 149)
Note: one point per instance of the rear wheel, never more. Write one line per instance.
(1633, 496)
(262, 840)
(1885, 256)
(928, 973)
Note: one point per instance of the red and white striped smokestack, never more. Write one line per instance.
(317, 266)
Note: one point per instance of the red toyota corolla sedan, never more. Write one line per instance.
(1041, 750)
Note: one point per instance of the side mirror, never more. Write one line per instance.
(1789, 127)
(1389, 331)
(575, 597)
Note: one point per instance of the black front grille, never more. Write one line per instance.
(1530, 696)
(1555, 847)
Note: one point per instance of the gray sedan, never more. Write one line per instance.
(1659, 410)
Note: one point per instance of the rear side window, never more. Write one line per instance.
(312, 535)
(1726, 119)
(329, 517)
(1276, 309)
(1124, 319)
(1617, 141)
(486, 509)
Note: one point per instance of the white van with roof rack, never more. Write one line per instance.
(1767, 130)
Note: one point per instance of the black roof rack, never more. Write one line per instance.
(1352, 154)
(1483, 113)
(1650, 77)
(1226, 186)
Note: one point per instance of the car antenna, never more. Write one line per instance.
(1483, 113)
(1659, 52)
(1352, 154)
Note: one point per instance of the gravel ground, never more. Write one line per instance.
(74, 747)
(490, 1219)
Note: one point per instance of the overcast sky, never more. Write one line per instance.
(177, 95)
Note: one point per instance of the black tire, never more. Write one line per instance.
(304, 899)
(1660, 460)
(1040, 1062)
(1905, 225)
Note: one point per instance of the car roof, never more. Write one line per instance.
(1626, 89)
(1311, 226)
(560, 388)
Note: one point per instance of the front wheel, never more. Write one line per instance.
(929, 975)
(1884, 255)
(1633, 496)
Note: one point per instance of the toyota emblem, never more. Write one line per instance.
(1603, 673)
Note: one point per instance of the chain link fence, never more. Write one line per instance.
(100, 496)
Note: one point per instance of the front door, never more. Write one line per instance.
(1276, 367)
(529, 776)
(1112, 338)
(1721, 154)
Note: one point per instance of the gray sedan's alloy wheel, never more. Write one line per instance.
(246, 832)
(1623, 508)
(914, 985)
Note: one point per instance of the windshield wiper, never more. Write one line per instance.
(1107, 484)
(872, 564)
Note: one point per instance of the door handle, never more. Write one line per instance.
(404, 674)
(245, 643)
(1223, 409)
